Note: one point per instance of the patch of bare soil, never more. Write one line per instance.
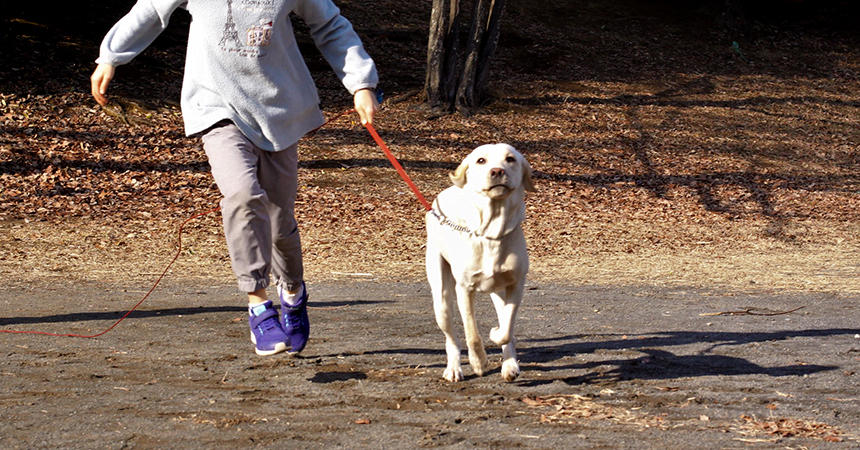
(669, 149)
(602, 367)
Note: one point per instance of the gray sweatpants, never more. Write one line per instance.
(259, 194)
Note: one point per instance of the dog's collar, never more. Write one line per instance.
(460, 228)
(448, 223)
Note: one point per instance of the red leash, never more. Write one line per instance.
(385, 149)
(397, 165)
(376, 138)
(175, 257)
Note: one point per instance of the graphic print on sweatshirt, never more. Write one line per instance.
(252, 42)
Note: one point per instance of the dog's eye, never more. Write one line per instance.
(511, 159)
(481, 161)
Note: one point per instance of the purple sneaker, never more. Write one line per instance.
(294, 319)
(266, 332)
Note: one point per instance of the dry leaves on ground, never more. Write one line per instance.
(782, 427)
(567, 409)
(572, 409)
(660, 155)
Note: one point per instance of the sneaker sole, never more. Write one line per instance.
(279, 347)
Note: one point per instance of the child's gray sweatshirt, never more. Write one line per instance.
(243, 62)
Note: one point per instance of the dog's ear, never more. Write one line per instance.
(528, 184)
(458, 177)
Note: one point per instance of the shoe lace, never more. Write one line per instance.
(268, 324)
(294, 318)
(266, 321)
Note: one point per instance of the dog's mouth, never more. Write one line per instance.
(498, 190)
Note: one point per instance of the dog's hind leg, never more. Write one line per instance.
(477, 353)
(506, 310)
(442, 287)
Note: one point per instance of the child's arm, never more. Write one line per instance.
(341, 47)
(127, 38)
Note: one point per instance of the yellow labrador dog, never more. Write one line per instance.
(475, 243)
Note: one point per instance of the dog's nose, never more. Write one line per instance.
(497, 172)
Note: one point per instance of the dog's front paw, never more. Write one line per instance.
(510, 370)
(453, 374)
(499, 337)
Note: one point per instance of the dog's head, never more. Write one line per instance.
(494, 170)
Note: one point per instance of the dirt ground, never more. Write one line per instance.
(697, 182)
(603, 367)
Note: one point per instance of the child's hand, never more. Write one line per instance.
(99, 82)
(365, 105)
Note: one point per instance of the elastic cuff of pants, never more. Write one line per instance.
(289, 285)
(247, 286)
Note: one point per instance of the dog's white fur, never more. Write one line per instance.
(475, 243)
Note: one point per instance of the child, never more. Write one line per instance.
(248, 94)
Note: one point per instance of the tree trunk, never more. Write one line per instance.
(483, 38)
(443, 46)
(458, 79)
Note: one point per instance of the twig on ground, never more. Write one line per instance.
(752, 312)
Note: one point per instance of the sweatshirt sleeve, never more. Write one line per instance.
(339, 44)
(136, 30)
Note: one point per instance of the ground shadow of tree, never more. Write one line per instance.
(660, 363)
(159, 312)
